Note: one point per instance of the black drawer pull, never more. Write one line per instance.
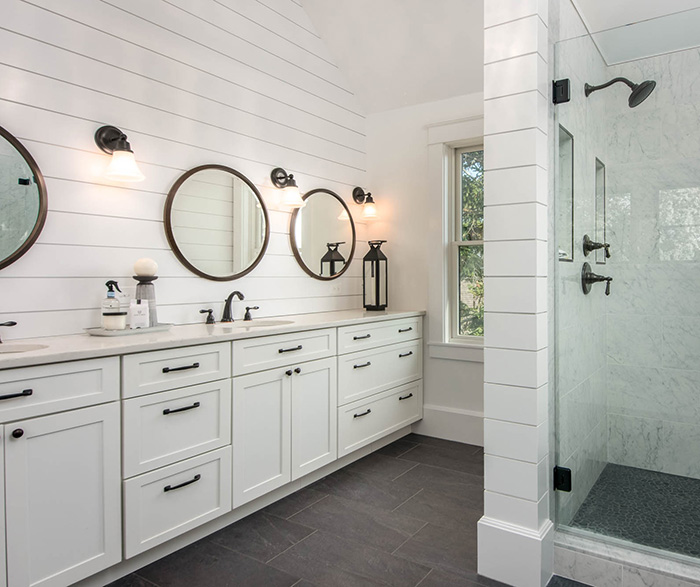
(20, 394)
(367, 364)
(405, 396)
(167, 411)
(185, 484)
(361, 337)
(408, 354)
(296, 348)
(363, 414)
(185, 368)
(405, 329)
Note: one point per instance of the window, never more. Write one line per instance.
(467, 250)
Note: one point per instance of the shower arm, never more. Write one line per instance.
(589, 89)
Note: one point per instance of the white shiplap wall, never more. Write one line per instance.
(243, 83)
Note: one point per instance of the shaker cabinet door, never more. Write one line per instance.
(314, 417)
(261, 433)
(63, 496)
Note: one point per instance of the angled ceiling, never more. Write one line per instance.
(396, 53)
(625, 30)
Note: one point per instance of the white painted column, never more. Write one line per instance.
(515, 534)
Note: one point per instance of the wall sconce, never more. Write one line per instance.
(123, 166)
(369, 209)
(284, 181)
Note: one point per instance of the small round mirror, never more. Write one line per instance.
(216, 222)
(23, 201)
(322, 234)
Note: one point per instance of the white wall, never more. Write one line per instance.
(244, 83)
(398, 177)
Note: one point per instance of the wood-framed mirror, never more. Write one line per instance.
(322, 235)
(23, 199)
(216, 222)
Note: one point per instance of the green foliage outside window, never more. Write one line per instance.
(471, 257)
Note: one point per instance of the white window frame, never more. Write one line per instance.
(455, 228)
(442, 139)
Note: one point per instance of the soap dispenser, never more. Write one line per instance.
(112, 316)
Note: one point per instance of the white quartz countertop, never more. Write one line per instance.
(83, 346)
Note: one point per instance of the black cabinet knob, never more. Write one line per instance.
(17, 433)
(297, 370)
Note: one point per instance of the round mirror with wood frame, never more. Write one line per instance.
(322, 235)
(23, 199)
(216, 222)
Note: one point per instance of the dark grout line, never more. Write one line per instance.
(292, 546)
(424, 578)
(144, 578)
(407, 500)
(406, 471)
(304, 509)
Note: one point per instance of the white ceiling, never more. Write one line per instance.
(397, 53)
(625, 30)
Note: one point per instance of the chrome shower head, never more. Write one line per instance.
(640, 92)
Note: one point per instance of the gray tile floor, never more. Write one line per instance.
(403, 516)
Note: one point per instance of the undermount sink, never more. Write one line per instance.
(252, 323)
(9, 347)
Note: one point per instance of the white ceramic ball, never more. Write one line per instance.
(145, 267)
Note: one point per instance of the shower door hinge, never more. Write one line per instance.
(561, 91)
(562, 479)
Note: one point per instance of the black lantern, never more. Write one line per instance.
(374, 278)
(334, 259)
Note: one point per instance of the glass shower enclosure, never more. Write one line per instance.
(627, 365)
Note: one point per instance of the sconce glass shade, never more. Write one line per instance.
(369, 210)
(123, 167)
(344, 215)
(292, 198)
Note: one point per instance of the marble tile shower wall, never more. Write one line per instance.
(653, 323)
(581, 366)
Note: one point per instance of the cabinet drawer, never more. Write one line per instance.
(374, 334)
(168, 502)
(144, 373)
(35, 391)
(268, 352)
(368, 372)
(363, 422)
(163, 428)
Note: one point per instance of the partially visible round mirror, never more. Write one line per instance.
(322, 234)
(216, 222)
(23, 201)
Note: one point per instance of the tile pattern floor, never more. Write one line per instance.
(644, 507)
(557, 581)
(403, 516)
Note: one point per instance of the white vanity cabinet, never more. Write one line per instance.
(284, 425)
(62, 499)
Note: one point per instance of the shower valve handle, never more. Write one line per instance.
(589, 245)
(588, 278)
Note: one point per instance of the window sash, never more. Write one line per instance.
(456, 243)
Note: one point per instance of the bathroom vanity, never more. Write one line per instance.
(118, 449)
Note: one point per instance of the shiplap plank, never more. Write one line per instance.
(199, 95)
(118, 26)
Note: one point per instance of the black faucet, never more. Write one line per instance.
(248, 317)
(8, 323)
(227, 317)
(589, 245)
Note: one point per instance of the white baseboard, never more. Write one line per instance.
(515, 555)
(451, 424)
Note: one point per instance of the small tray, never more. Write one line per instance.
(128, 331)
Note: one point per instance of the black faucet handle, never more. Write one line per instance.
(248, 317)
(210, 315)
(589, 245)
(608, 281)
